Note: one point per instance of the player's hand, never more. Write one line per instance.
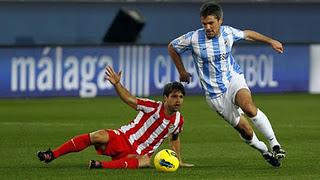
(277, 46)
(112, 76)
(185, 77)
(182, 164)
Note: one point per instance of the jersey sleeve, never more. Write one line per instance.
(183, 43)
(146, 105)
(237, 34)
(179, 127)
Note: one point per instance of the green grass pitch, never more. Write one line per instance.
(27, 126)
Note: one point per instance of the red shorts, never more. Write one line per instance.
(117, 147)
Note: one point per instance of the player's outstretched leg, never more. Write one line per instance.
(76, 144)
(129, 162)
(46, 156)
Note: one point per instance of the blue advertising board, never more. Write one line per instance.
(267, 71)
(79, 71)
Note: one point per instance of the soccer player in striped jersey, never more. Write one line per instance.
(132, 145)
(222, 79)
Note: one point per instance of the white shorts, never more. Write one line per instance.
(224, 105)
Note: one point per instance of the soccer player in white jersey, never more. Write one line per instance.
(132, 145)
(222, 79)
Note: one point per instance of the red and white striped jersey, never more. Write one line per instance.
(150, 127)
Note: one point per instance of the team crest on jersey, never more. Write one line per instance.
(171, 128)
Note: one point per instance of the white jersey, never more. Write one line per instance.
(212, 57)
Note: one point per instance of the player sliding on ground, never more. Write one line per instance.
(222, 79)
(132, 145)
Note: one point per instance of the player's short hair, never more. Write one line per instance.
(210, 8)
(173, 86)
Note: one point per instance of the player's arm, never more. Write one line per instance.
(184, 75)
(123, 93)
(255, 36)
(175, 145)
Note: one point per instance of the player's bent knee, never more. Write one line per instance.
(100, 136)
(250, 110)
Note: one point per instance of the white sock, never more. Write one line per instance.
(255, 143)
(262, 123)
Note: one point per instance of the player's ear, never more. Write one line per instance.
(220, 21)
(165, 98)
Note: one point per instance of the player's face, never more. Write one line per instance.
(211, 25)
(174, 101)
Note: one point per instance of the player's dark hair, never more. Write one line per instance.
(210, 8)
(173, 86)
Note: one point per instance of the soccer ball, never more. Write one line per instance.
(166, 161)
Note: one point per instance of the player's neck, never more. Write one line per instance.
(167, 112)
(215, 36)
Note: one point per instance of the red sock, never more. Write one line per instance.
(124, 163)
(76, 144)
